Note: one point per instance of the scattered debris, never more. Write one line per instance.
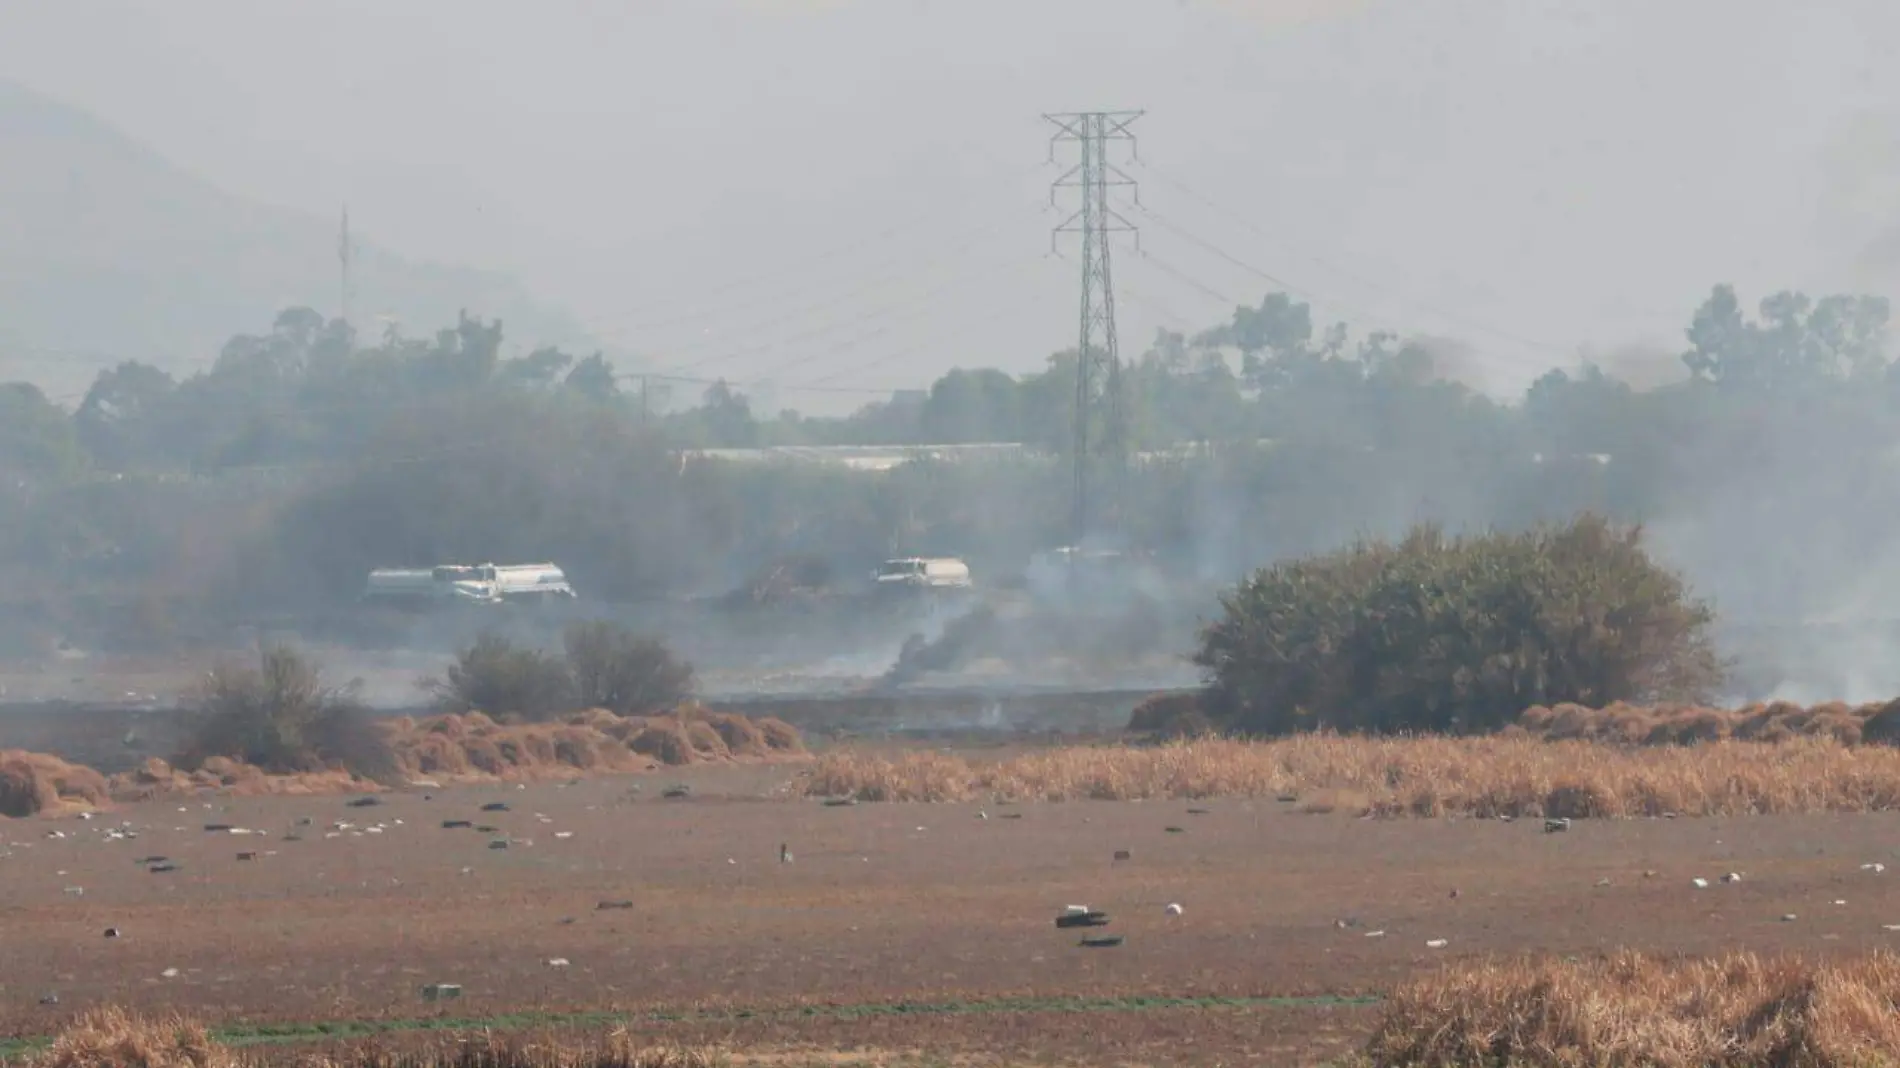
(499, 843)
(495, 806)
(365, 802)
(487, 828)
(158, 868)
(449, 825)
(557, 962)
(1122, 854)
(1173, 909)
(1788, 917)
(74, 891)
(218, 828)
(441, 991)
(1700, 884)
(112, 932)
(673, 793)
(1437, 943)
(1375, 934)
(1731, 877)
(1875, 868)
(169, 973)
(1603, 881)
(1013, 816)
(831, 802)
(1085, 918)
(247, 855)
(1102, 942)
(1454, 893)
(1198, 811)
(605, 905)
(1556, 826)
(563, 834)
(1175, 830)
(49, 999)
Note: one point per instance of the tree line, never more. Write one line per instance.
(305, 455)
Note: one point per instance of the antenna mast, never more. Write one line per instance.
(343, 251)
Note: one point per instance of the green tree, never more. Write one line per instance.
(1455, 634)
(37, 439)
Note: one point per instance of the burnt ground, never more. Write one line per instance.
(933, 905)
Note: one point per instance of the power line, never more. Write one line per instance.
(799, 267)
(922, 301)
(1244, 221)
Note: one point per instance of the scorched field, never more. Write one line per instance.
(745, 916)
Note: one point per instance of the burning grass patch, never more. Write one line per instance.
(1630, 1008)
(1424, 776)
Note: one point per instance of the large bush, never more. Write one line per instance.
(623, 672)
(496, 676)
(279, 716)
(1437, 633)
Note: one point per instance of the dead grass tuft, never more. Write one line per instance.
(35, 783)
(1426, 776)
(1630, 1008)
(112, 1038)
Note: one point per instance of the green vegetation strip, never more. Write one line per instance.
(284, 1034)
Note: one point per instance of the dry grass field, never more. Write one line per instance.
(895, 933)
(1424, 777)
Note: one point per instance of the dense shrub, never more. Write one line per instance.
(1455, 634)
(623, 672)
(279, 716)
(496, 676)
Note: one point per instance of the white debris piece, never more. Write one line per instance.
(1173, 909)
(1731, 877)
(1700, 884)
(169, 973)
(1076, 910)
(1875, 868)
(1437, 943)
(557, 962)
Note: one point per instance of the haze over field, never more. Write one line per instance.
(1431, 260)
(1529, 178)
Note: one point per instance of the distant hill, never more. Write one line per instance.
(108, 251)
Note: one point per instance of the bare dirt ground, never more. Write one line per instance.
(948, 908)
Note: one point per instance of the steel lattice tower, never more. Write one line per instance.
(1098, 378)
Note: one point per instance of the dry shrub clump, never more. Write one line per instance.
(1626, 724)
(1425, 776)
(1736, 1010)
(32, 783)
(111, 1038)
(473, 746)
(156, 778)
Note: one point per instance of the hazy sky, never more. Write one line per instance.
(851, 193)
